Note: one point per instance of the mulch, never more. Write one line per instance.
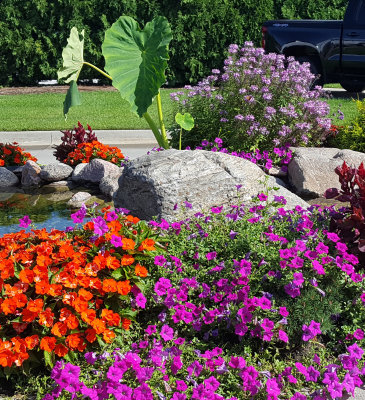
(52, 89)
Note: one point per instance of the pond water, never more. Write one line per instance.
(46, 208)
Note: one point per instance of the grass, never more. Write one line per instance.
(101, 110)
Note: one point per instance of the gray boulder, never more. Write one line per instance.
(151, 185)
(7, 178)
(95, 171)
(312, 170)
(55, 172)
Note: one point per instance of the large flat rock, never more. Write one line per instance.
(312, 170)
(152, 185)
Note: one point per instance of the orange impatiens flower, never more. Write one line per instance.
(90, 335)
(46, 318)
(61, 350)
(127, 259)
(109, 285)
(59, 329)
(124, 287)
(35, 306)
(108, 335)
(126, 323)
(8, 306)
(26, 276)
(128, 244)
(110, 317)
(85, 295)
(48, 343)
(98, 325)
(32, 341)
(88, 316)
(147, 244)
(140, 270)
(75, 341)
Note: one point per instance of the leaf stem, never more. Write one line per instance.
(99, 70)
(154, 128)
(162, 124)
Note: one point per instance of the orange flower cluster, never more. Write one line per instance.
(60, 293)
(13, 155)
(85, 152)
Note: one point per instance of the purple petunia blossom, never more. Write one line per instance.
(167, 333)
(100, 226)
(116, 241)
(25, 221)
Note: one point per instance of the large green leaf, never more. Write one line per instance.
(73, 57)
(136, 59)
(73, 98)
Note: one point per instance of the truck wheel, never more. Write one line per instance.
(314, 68)
(353, 87)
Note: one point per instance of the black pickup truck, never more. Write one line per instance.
(334, 49)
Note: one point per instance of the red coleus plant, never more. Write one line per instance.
(71, 139)
(350, 224)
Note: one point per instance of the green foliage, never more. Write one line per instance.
(33, 32)
(136, 59)
(351, 135)
(312, 9)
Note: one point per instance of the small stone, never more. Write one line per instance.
(109, 184)
(30, 174)
(7, 178)
(78, 199)
(77, 171)
(96, 170)
(55, 172)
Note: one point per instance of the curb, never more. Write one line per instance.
(46, 139)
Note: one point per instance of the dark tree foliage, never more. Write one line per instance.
(33, 32)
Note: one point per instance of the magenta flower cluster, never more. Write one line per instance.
(266, 159)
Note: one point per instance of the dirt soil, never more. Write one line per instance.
(52, 89)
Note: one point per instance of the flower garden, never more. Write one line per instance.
(255, 302)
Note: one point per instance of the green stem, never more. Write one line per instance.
(99, 70)
(154, 128)
(180, 139)
(162, 124)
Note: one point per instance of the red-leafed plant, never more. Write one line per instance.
(72, 138)
(350, 224)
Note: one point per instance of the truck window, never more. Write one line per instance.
(360, 15)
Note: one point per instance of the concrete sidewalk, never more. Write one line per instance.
(133, 143)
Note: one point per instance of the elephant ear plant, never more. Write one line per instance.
(135, 61)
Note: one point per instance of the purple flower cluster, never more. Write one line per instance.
(245, 102)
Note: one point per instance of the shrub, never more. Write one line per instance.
(71, 139)
(349, 224)
(260, 101)
(350, 136)
(254, 302)
(64, 292)
(13, 155)
(85, 152)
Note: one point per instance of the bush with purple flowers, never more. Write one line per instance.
(259, 101)
(254, 301)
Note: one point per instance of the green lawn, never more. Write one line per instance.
(101, 110)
